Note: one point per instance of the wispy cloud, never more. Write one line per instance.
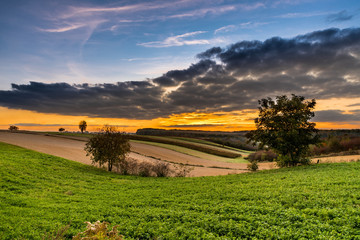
(247, 25)
(179, 40)
(252, 24)
(203, 12)
(340, 16)
(303, 14)
(227, 28)
(62, 29)
(250, 7)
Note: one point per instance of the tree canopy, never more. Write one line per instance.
(13, 128)
(109, 147)
(82, 126)
(283, 125)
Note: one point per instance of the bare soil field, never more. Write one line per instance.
(345, 158)
(73, 149)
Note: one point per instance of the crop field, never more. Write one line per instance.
(315, 202)
(202, 141)
(202, 147)
(195, 153)
(189, 146)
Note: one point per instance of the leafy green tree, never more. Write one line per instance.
(283, 125)
(109, 147)
(82, 126)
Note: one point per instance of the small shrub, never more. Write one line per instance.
(285, 161)
(182, 170)
(263, 156)
(253, 166)
(128, 167)
(161, 169)
(145, 169)
(99, 231)
(61, 129)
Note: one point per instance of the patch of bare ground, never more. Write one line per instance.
(332, 159)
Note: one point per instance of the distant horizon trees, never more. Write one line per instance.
(13, 128)
(82, 126)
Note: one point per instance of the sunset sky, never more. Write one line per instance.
(185, 64)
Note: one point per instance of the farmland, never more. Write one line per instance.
(190, 146)
(317, 202)
(199, 154)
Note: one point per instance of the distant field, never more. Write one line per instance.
(314, 202)
(195, 153)
(70, 134)
(180, 143)
(195, 140)
(199, 145)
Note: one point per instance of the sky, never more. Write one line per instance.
(185, 64)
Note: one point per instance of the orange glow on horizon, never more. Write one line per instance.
(216, 121)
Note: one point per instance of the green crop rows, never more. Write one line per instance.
(41, 193)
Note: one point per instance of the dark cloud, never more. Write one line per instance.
(340, 16)
(321, 65)
(336, 116)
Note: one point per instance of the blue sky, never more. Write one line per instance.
(181, 63)
(111, 41)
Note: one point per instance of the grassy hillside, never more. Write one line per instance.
(40, 193)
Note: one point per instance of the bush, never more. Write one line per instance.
(262, 156)
(99, 231)
(145, 169)
(182, 170)
(336, 144)
(285, 161)
(161, 169)
(253, 166)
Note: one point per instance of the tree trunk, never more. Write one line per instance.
(109, 167)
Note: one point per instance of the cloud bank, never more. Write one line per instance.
(323, 64)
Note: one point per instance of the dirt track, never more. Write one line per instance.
(73, 149)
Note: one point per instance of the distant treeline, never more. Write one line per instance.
(187, 133)
(342, 132)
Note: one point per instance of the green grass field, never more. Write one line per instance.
(41, 193)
